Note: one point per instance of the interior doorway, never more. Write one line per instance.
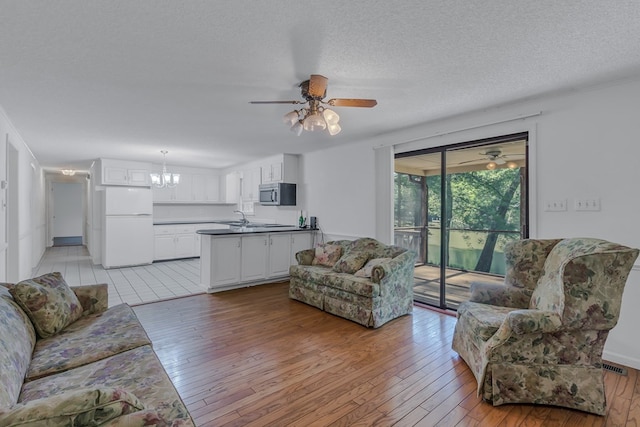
(68, 213)
(457, 206)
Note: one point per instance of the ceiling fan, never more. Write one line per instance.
(495, 158)
(316, 116)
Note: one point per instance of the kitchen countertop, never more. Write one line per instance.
(253, 230)
(186, 221)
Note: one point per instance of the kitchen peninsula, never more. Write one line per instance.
(249, 254)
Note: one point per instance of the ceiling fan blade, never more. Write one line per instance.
(500, 161)
(349, 102)
(317, 86)
(276, 102)
(469, 161)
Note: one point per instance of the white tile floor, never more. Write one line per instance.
(133, 285)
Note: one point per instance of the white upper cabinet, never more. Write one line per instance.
(196, 186)
(206, 187)
(124, 172)
(280, 168)
(250, 184)
(232, 188)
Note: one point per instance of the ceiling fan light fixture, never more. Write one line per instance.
(297, 128)
(330, 116)
(492, 165)
(512, 165)
(291, 118)
(333, 128)
(314, 122)
(315, 116)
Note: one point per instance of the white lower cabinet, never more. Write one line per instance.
(223, 256)
(279, 254)
(228, 262)
(173, 242)
(255, 252)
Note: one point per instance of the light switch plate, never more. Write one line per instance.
(555, 205)
(587, 204)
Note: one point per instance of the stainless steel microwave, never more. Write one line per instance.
(278, 194)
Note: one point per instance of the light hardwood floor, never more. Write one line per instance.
(253, 357)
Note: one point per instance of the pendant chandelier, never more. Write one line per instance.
(165, 179)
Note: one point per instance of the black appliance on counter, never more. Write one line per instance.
(278, 194)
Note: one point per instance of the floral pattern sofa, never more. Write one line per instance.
(362, 280)
(67, 360)
(539, 337)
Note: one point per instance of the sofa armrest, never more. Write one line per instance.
(500, 295)
(305, 257)
(94, 298)
(533, 321)
(395, 276)
(84, 406)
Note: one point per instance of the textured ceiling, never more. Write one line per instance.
(84, 79)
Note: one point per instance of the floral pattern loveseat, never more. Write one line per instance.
(362, 280)
(67, 360)
(539, 337)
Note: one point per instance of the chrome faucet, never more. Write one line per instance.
(244, 221)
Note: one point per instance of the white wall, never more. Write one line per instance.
(31, 222)
(584, 144)
(340, 190)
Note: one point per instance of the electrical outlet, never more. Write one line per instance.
(587, 204)
(555, 205)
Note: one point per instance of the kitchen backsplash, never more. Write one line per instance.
(277, 214)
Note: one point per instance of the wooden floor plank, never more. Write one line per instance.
(253, 357)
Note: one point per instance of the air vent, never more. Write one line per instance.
(614, 369)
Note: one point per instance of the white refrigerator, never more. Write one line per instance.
(127, 232)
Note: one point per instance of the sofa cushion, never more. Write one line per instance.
(82, 407)
(368, 267)
(481, 321)
(327, 255)
(49, 302)
(351, 262)
(87, 340)
(17, 338)
(309, 273)
(138, 371)
(352, 284)
(375, 248)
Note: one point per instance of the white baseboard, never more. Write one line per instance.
(620, 359)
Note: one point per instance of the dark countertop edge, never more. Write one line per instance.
(257, 230)
(188, 222)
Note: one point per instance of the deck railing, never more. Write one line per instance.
(465, 245)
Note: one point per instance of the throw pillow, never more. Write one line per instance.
(49, 302)
(368, 268)
(351, 262)
(86, 407)
(327, 255)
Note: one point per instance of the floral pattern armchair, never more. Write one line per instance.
(539, 337)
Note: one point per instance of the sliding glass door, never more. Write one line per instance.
(456, 207)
